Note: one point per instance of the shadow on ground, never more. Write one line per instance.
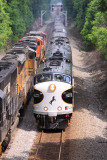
(75, 149)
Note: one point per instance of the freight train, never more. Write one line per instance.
(54, 83)
(17, 70)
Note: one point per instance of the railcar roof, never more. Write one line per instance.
(59, 34)
(14, 58)
(36, 32)
(31, 38)
(2, 94)
(6, 68)
(20, 49)
(25, 44)
(56, 66)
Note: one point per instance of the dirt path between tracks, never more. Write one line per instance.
(86, 137)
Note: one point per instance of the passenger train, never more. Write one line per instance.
(54, 83)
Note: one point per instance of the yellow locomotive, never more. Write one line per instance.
(16, 84)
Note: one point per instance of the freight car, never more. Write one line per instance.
(16, 82)
(54, 83)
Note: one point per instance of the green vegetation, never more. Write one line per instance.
(39, 5)
(5, 29)
(16, 17)
(90, 18)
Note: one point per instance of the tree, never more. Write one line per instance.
(5, 29)
(95, 26)
(17, 22)
(39, 5)
(25, 8)
(16, 16)
(79, 12)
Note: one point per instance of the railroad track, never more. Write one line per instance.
(38, 146)
(49, 146)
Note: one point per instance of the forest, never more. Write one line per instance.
(90, 17)
(16, 17)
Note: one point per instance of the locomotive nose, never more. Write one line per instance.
(52, 87)
(52, 114)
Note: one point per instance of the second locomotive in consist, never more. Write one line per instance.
(54, 83)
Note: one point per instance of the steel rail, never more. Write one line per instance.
(60, 146)
(38, 146)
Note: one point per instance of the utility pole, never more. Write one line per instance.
(65, 14)
(42, 13)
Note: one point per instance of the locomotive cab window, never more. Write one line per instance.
(43, 78)
(62, 78)
(38, 43)
(34, 48)
(31, 56)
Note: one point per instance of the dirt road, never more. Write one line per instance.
(86, 137)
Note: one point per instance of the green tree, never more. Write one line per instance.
(17, 16)
(5, 29)
(68, 5)
(39, 5)
(95, 26)
(25, 8)
(79, 12)
(17, 23)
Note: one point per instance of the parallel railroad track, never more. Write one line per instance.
(38, 146)
(49, 147)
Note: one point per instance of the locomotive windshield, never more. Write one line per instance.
(52, 77)
(62, 78)
(43, 78)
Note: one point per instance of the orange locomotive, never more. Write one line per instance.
(38, 37)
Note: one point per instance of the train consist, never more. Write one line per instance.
(17, 70)
(26, 70)
(54, 83)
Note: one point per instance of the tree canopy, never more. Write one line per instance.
(90, 18)
(5, 29)
(16, 17)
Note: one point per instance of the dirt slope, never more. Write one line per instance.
(86, 137)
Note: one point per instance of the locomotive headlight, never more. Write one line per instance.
(70, 106)
(52, 87)
(45, 108)
(68, 95)
(59, 108)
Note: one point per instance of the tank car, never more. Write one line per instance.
(54, 83)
